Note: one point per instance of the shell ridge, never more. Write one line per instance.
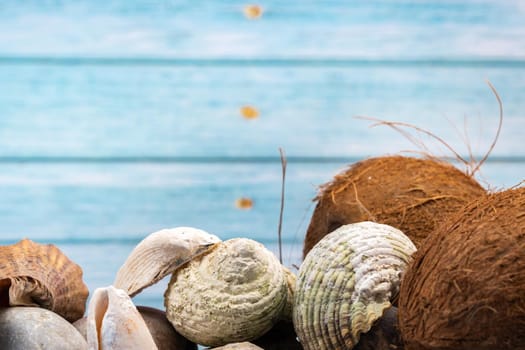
(42, 274)
(346, 281)
(161, 253)
(239, 287)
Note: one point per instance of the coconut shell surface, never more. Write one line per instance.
(465, 288)
(413, 195)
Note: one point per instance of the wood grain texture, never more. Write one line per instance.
(111, 202)
(152, 28)
(172, 111)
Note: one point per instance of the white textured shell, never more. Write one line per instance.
(114, 323)
(235, 293)
(161, 253)
(346, 282)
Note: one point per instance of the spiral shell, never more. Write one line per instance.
(33, 274)
(346, 282)
(235, 293)
(159, 254)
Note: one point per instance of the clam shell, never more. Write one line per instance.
(235, 293)
(33, 274)
(346, 282)
(23, 328)
(163, 333)
(159, 254)
(113, 322)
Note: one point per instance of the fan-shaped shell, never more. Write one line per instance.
(233, 294)
(33, 274)
(161, 253)
(114, 323)
(346, 282)
(23, 328)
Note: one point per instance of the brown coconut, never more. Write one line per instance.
(465, 288)
(414, 195)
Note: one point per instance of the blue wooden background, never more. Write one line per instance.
(119, 118)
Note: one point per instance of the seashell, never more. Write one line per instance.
(235, 293)
(163, 333)
(113, 322)
(239, 346)
(33, 274)
(346, 282)
(159, 254)
(23, 328)
(282, 335)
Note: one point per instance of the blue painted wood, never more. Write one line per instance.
(97, 213)
(108, 203)
(378, 28)
(173, 111)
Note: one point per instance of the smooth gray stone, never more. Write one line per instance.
(28, 328)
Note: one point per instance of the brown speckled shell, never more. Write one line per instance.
(33, 274)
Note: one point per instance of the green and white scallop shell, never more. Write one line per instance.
(346, 282)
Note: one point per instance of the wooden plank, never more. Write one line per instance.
(113, 202)
(172, 111)
(97, 213)
(126, 201)
(123, 202)
(378, 28)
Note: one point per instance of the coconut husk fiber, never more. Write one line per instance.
(465, 288)
(412, 194)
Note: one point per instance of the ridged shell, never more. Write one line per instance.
(33, 274)
(25, 328)
(114, 323)
(346, 282)
(235, 293)
(159, 254)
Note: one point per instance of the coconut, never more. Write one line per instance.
(412, 194)
(465, 288)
